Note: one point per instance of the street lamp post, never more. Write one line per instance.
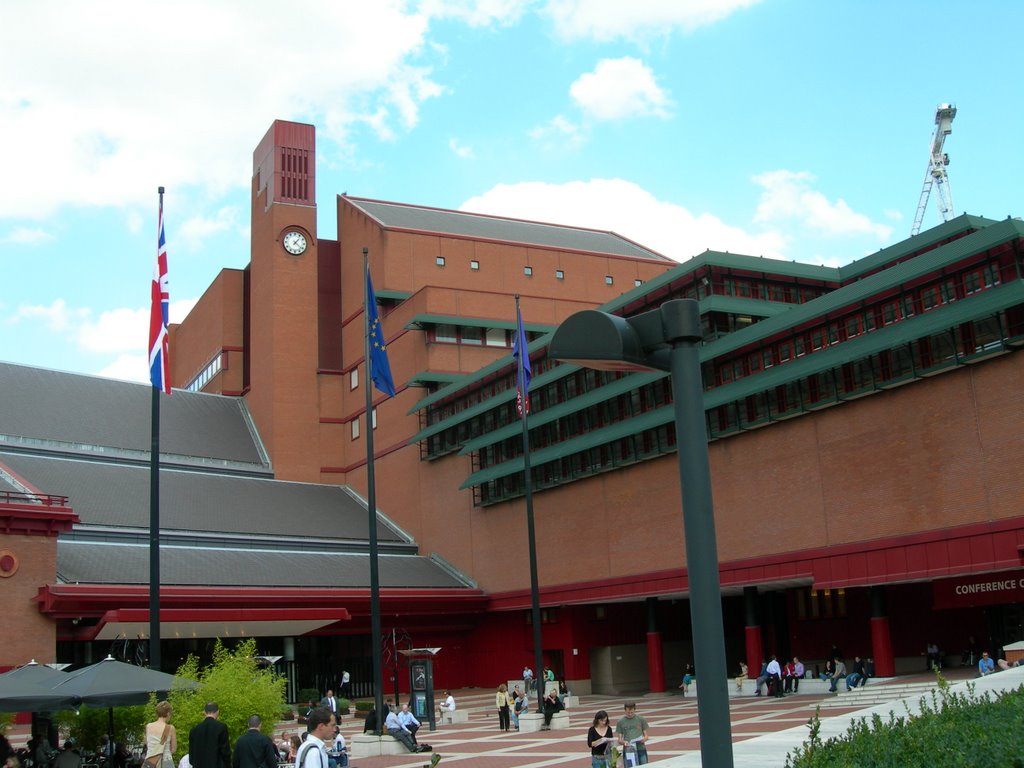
(668, 339)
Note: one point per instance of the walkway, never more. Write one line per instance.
(764, 730)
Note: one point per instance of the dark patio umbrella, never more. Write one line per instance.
(35, 673)
(112, 683)
(21, 695)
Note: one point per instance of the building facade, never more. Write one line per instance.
(864, 426)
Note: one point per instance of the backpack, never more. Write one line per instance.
(519, 705)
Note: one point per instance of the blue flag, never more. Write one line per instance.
(523, 372)
(380, 369)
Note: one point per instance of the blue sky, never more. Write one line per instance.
(795, 129)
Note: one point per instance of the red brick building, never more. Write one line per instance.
(865, 428)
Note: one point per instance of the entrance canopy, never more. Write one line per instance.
(181, 623)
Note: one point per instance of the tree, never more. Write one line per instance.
(239, 686)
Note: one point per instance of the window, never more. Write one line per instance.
(474, 264)
(528, 271)
(559, 274)
(439, 261)
(373, 418)
(608, 280)
(473, 336)
(353, 378)
(496, 337)
(355, 428)
(637, 282)
(445, 333)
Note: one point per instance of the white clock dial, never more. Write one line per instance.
(294, 242)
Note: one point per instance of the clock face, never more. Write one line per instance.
(294, 242)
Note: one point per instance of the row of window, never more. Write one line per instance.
(859, 321)
(474, 264)
(202, 379)
(923, 357)
(354, 424)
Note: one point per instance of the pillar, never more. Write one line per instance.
(288, 648)
(881, 642)
(755, 646)
(655, 663)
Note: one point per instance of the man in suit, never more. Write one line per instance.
(330, 703)
(208, 741)
(253, 749)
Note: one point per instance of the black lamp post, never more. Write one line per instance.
(668, 339)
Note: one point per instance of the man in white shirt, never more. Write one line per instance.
(313, 752)
(448, 707)
(774, 672)
(409, 722)
(345, 690)
(395, 728)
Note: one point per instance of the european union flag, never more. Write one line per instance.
(523, 372)
(380, 368)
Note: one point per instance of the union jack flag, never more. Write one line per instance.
(159, 372)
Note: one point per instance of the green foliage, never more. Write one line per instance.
(364, 706)
(960, 730)
(90, 724)
(239, 686)
(344, 705)
(307, 695)
(6, 718)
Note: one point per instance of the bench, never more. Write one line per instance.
(364, 745)
(530, 722)
(559, 721)
(458, 716)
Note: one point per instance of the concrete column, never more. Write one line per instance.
(655, 662)
(881, 642)
(288, 648)
(752, 632)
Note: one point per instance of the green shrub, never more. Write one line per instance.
(344, 705)
(6, 718)
(961, 730)
(364, 706)
(307, 695)
(239, 686)
(90, 724)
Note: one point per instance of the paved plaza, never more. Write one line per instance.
(764, 729)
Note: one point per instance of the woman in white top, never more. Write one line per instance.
(161, 739)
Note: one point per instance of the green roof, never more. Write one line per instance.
(431, 377)
(386, 293)
(892, 336)
(899, 274)
(927, 324)
(910, 245)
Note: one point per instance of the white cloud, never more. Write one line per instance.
(788, 195)
(123, 331)
(58, 316)
(618, 89)
(558, 132)
(27, 236)
(460, 150)
(636, 20)
(173, 93)
(629, 210)
(128, 368)
(477, 13)
(194, 230)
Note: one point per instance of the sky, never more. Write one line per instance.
(791, 129)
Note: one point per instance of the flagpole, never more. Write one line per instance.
(154, 509)
(521, 386)
(371, 505)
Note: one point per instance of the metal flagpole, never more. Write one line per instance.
(154, 512)
(521, 386)
(371, 505)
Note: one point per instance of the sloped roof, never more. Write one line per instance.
(476, 225)
(89, 414)
(88, 562)
(113, 494)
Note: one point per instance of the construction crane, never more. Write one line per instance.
(936, 173)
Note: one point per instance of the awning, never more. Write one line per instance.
(181, 623)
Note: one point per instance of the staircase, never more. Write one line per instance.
(872, 694)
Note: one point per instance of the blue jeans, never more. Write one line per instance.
(851, 680)
(598, 762)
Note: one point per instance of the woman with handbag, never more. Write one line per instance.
(161, 739)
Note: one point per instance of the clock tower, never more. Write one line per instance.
(281, 311)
